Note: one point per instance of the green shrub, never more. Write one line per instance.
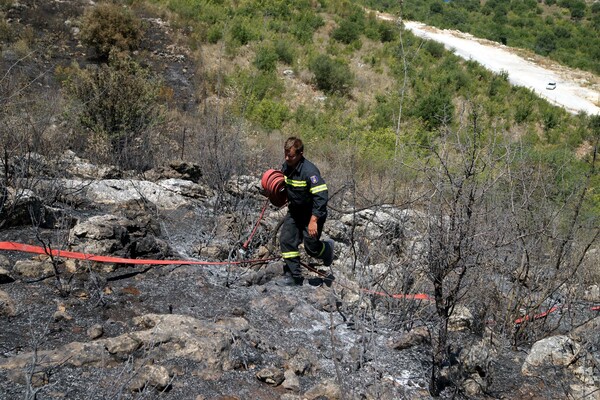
(209, 12)
(550, 119)
(285, 52)
(215, 33)
(387, 33)
(384, 112)
(347, 32)
(434, 48)
(545, 43)
(241, 32)
(270, 114)
(594, 125)
(523, 110)
(118, 102)
(576, 7)
(107, 26)
(435, 108)
(331, 75)
(436, 8)
(256, 87)
(266, 58)
(305, 26)
(5, 30)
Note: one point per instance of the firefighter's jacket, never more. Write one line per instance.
(306, 189)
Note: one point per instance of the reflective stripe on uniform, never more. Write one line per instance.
(295, 183)
(290, 254)
(322, 251)
(318, 189)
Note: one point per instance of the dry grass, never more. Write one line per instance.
(368, 79)
(584, 149)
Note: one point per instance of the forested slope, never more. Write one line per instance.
(567, 31)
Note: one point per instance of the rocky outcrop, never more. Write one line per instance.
(112, 235)
(554, 351)
(163, 338)
(116, 193)
(562, 355)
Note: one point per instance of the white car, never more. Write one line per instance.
(551, 86)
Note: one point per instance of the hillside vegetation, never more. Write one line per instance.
(365, 85)
(567, 31)
(326, 71)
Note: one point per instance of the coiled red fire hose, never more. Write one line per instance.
(273, 182)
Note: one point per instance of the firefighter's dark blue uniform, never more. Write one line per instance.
(307, 195)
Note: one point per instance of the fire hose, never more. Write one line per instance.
(273, 183)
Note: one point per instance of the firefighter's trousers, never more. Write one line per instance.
(293, 231)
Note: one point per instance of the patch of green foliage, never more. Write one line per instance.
(118, 103)
(332, 75)
(567, 31)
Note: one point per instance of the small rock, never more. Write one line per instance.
(414, 337)
(555, 351)
(327, 389)
(7, 305)
(291, 381)
(5, 276)
(95, 331)
(71, 266)
(33, 268)
(155, 376)
(460, 319)
(474, 386)
(290, 396)
(37, 379)
(61, 315)
(592, 293)
(271, 375)
(124, 344)
(302, 362)
(4, 262)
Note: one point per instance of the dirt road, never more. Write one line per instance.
(576, 91)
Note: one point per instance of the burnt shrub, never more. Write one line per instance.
(107, 26)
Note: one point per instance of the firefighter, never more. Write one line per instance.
(307, 211)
